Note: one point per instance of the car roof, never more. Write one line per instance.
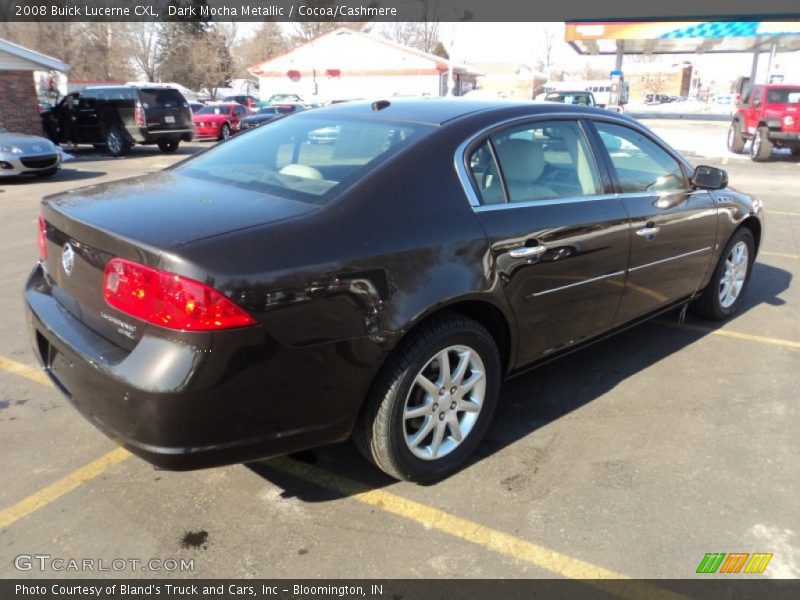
(438, 111)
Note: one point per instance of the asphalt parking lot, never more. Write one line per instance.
(635, 457)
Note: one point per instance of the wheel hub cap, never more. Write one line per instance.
(443, 403)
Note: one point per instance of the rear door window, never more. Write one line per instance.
(545, 160)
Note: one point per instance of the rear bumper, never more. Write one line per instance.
(198, 400)
(146, 136)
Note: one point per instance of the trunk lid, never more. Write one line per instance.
(139, 219)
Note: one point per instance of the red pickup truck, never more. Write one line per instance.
(769, 115)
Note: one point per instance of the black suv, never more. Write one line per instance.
(120, 116)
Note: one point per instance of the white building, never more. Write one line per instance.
(345, 64)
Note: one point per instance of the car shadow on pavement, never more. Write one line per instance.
(527, 403)
(88, 153)
(63, 174)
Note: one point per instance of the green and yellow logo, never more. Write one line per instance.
(734, 562)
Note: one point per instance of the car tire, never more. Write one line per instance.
(116, 144)
(723, 295)
(47, 173)
(735, 139)
(396, 411)
(225, 132)
(761, 147)
(168, 145)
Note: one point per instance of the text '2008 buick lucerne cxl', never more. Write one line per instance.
(274, 294)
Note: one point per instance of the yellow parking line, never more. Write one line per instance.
(763, 339)
(32, 373)
(55, 490)
(66, 484)
(781, 212)
(783, 254)
(470, 531)
(726, 160)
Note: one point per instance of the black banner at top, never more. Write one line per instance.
(393, 10)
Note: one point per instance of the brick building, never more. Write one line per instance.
(19, 105)
(653, 78)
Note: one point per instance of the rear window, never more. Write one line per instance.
(162, 98)
(304, 158)
(215, 110)
(783, 96)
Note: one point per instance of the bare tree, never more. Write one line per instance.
(267, 42)
(143, 44)
(211, 60)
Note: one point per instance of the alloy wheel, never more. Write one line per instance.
(732, 282)
(114, 142)
(444, 401)
(757, 143)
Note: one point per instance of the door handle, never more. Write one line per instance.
(527, 251)
(648, 231)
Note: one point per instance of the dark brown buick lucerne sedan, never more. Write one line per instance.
(273, 294)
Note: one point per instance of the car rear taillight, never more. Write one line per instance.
(169, 300)
(139, 116)
(42, 238)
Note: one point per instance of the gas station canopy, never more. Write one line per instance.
(682, 37)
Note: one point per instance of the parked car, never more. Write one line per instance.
(268, 295)
(324, 135)
(279, 99)
(22, 154)
(269, 113)
(117, 117)
(195, 106)
(769, 116)
(582, 97)
(245, 100)
(218, 121)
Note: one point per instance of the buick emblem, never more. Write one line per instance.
(68, 259)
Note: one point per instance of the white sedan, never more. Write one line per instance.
(22, 154)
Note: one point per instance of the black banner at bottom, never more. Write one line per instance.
(397, 589)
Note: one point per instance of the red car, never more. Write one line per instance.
(218, 121)
(769, 116)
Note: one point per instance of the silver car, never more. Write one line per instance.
(21, 154)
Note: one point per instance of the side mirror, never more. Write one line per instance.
(709, 178)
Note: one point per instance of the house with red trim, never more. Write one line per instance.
(345, 64)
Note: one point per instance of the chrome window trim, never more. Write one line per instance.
(545, 202)
(576, 284)
(460, 159)
(671, 258)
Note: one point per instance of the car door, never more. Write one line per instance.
(559, 241)
(88, 119)
(672, 226)
(752, 104)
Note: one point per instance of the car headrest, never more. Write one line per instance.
(521, 160)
